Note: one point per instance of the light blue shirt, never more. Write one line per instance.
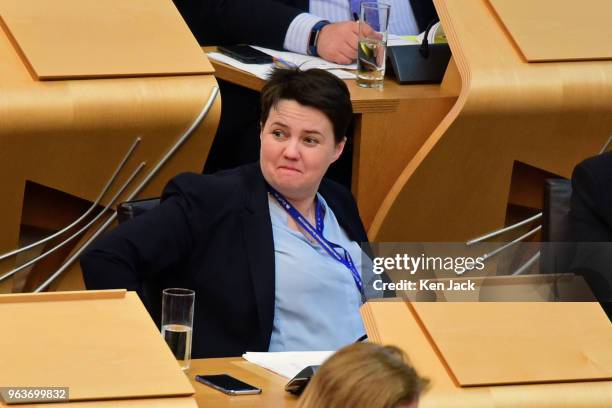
(401, 20)
(316, 303)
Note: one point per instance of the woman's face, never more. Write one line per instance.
(297, 147)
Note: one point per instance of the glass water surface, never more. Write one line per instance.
(178, 337)
(371, 56)
(372, 48)
(177, 323)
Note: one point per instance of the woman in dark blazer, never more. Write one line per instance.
(215, 233)
(591, 225)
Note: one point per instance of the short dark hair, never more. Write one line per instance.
(315, 88)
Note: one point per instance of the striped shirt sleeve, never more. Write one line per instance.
(296, 39)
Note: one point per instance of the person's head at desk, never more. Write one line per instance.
(304, 122)
(364, 375)
(272, 249)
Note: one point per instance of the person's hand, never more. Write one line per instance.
(337, 42)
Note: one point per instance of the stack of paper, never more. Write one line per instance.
(304, 62)
(259, 70)
(287, 363)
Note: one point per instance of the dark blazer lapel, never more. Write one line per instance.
(259, 243)
(345, 220)
(347, 217)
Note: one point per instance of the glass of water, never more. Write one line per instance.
(372, 47)
(177, 322)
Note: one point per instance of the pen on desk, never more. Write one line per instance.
(281, 63)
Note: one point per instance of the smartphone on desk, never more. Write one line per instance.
(245, 53)
(228, 384)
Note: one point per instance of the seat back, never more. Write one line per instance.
(557, 251)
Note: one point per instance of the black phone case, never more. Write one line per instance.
(247, 390)
(247, 55)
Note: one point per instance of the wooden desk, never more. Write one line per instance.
(273, 385)
(391, 125)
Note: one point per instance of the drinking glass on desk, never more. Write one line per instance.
(177, 322)
(372, 46)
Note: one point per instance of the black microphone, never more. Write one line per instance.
(424, 50)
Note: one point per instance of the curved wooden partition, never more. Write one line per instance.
(514, 123)
(61, 140)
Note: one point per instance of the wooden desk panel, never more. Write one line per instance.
(91, 38)
(501, 343)
(99, 344)
(392, 322)
(553, 30)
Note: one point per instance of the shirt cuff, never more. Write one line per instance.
(298, 33)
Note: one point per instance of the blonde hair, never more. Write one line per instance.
(364, 375)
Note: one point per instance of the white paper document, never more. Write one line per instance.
(287, 363)
(305, 62)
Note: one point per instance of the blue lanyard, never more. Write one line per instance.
(317, 233)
